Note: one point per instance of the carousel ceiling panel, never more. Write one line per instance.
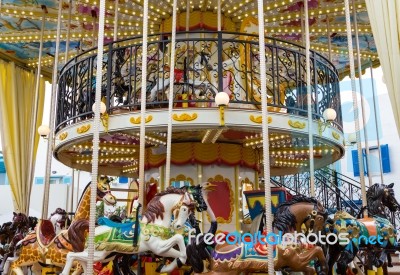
(20, 23)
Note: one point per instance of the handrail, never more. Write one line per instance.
(197, 76)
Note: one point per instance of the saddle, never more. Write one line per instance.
(110, 223)
(46, 232)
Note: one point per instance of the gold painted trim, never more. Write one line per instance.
(63, 136)
(297, 124)
(181, 177)
(137, 120)
(184, 117)
(83, 129)
(258, 119)
(336, 135)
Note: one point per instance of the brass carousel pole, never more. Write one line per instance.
(96, 137)
(376, 123)
(142, 142)
(355, 104)
(171, 95)
(45, 206)
(68, 32)
(264, 112)
(309, 100)
(37, 87)
(365, 130)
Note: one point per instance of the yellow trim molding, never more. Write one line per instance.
(181, 177)
(336, 135)
(297, 124)
(63, 136)
(258, 119)
(137, 120)
(83, 129)
(184, 117)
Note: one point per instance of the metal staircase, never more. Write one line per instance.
(334, 190)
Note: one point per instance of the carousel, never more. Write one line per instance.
(224, 114)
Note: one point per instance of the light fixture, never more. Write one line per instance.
(222, 100)
(44, 131)
(329, 115)
(103, 114)
(351, 139)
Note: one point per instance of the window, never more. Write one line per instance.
(385, 159)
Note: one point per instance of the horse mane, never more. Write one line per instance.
(155, 208)
(374, 200)
(76, 234)
(284, 220)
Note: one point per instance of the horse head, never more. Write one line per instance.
(19, 221)
(59, 219)
(197, 194)
(182, 210)
(379, 196)
(104, 190)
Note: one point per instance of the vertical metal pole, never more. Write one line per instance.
(264, 113)
(328, 32)
(68, 32)
(171, 96)
(219, 16)
(376, 123)
(362, 96)
(309, 101)
(35, 107)
(116, 20)
(50, 144)
(96, 138)
(142, 142)
(71, 208)
(355, 104)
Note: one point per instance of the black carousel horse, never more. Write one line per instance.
(374, 234)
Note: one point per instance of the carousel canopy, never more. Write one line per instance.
(20, 25)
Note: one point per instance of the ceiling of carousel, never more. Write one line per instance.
(20, 24)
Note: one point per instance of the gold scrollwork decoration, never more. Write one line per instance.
(63, 136)
(258, 119)
(83, 129)
(184, 117)
(137, 120)
(336, 135)
(297, 124)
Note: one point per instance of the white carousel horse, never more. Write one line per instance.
(157, 233)
(59, 219)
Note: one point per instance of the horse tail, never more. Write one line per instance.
(77, 234)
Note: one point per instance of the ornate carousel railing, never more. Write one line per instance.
(206, 62)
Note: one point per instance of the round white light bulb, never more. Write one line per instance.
(222, 99)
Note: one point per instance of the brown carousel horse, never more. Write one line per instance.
(293, 216)
(16, 231)
(44, 246)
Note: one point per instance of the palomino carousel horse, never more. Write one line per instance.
(44, 246)
(294, 215)
(157, 232)
(375, 233)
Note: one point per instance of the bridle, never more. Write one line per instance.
(186, 200)
(312, 216)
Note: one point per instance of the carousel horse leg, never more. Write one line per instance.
(345, 258)
(389, 260)
(319, 253)
(332, 256)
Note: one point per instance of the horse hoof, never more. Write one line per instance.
(179, 263)
(158, 270)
